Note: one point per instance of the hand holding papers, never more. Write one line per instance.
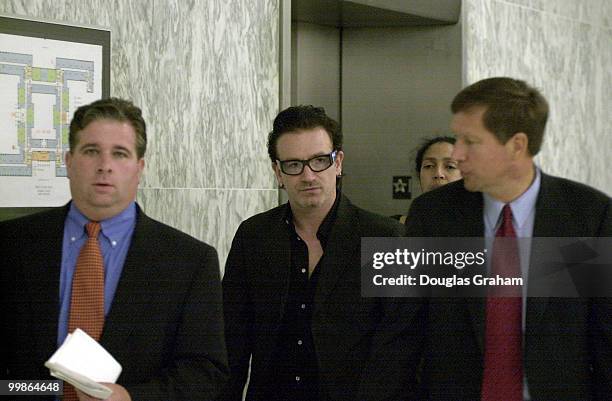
(84, 363)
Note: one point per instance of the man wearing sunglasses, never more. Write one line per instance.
(292, 293)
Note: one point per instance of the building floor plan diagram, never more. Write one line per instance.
(42, 82)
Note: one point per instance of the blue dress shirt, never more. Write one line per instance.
(523, 218)
(114, 239)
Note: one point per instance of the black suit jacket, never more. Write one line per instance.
(358, 341)
(165, 325)
(568, 341)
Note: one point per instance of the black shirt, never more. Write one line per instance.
(296, 368)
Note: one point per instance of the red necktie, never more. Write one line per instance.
(87, 300)
(503, 360)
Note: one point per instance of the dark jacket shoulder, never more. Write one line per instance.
(52, 221)
(444, 197)
(165, 235)
(43, 217)
(375, 225)
(444, 212)
(570, 192)
(365, 222)
(572, 204)
(41, 225)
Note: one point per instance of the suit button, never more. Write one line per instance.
(299, 342)
(297, 378)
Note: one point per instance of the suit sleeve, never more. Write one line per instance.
(391, 370)
(238, 313)
(198, 365)
(601, 328)
(415, 226)
(4, 266)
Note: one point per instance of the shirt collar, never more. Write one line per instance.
(113, 229)
(75, 223)
(521, 206)
(327, 223)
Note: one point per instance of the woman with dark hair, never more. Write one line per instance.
(434, 165)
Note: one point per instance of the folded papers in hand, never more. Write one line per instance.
(84, 363)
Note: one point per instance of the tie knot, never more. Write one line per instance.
(507, 213)
(506, 228)
(93, 229)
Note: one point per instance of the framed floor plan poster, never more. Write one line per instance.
(47, 71)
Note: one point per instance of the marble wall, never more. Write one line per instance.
(206, 76)
(564, 48)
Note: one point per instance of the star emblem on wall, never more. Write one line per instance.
(401, 187)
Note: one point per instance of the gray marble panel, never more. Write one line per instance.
(214, 93)
(595, 12)
(212, 215)
(131, 52)
(205, 74)
(95, 12)
(131, 26)
(568, 61)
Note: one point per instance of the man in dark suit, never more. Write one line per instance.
(291, 290)
(564, 345)
(161, 305)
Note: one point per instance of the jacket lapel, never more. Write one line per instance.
(343, 242)
(279, 261)
(471, 224)
(129, 299)
(48, 261)
(549, 212)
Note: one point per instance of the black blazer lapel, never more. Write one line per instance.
(549, 213)
(129, 298)
(343, 243)
(279, 261)
(43, 266)
(473, 226)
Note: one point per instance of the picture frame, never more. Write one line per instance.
(47, 70)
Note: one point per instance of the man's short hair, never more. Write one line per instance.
(113, 108)
(511, 106)
(296, 118)
(426, 145)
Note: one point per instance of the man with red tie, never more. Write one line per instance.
(512, 347)
(149, 294)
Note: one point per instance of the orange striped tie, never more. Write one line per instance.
(87, 301)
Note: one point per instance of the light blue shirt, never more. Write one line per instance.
(114, 239)
(523, 218)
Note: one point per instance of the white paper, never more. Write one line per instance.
(83, 362)
(81, 382)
